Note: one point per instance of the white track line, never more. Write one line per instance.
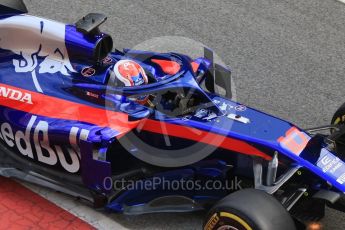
(343, 1)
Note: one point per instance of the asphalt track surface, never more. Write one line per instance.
(287, 58)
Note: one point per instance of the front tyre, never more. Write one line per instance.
(338, 120)
(248, 209)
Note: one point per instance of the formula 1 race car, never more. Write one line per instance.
(140, 132)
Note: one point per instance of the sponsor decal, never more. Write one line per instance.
(332, 165)
(34, 143)
(223, 107)
(215, 101)
(66, 110)
(240, 108)
(187, 118)
(88, 72)
(201, 113)
(213, 221)
(205, 114)
(15, 95)
(107, 60)
(210, 116)
(235, 218)
(91, 94)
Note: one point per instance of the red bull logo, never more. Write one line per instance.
(34, 143)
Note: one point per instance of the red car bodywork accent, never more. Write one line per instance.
(195, 66)
(168, 67)
(204, 137)
(294, 140)
(53, 107)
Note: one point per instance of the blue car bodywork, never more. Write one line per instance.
(62, 123)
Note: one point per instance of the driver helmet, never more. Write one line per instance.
(129, 73)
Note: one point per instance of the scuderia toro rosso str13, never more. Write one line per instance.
(79, 117)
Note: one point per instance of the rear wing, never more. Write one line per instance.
(12, 7)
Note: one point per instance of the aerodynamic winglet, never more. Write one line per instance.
(12, 7)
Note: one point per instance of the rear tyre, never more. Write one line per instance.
(339, 119)
(249, 209)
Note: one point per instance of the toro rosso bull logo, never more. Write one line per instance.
(34, 143)
(35, 40)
